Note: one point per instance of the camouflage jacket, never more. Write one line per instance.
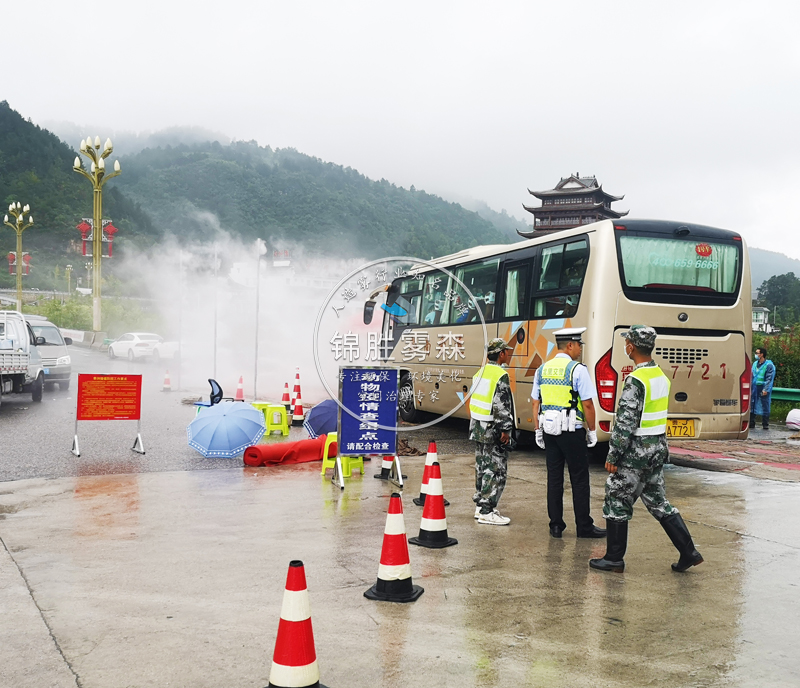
(625, 448)
(503, 412)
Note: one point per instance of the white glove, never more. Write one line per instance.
(591, 438)
(540, 438)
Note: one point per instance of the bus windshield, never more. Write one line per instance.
(679, 265)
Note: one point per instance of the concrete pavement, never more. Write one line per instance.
(176, 579)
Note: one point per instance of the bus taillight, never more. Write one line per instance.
(606, 378)
(744, 386)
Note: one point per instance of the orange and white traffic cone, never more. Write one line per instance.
(297, 412)
(296, 388)
(285, 400)
(240, 390)
(394, 570)
(294, 661)
(167, 384)
(433, 528)
(386, 467)
(423, 488)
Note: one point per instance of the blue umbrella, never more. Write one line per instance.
(322, 419)
(226, 429)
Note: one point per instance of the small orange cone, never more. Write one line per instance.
(297, 412)
(285, 400)
(423, 489)
(296, 388)
(394, 570)
(240, 390)
(167, 384)
(294, 661)
(433, 528)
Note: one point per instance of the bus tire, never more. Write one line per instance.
(406, 405)
(598, 453)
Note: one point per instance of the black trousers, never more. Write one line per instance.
(569, 448)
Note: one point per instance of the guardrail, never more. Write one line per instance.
(785, 394)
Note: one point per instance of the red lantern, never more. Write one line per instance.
(12, 258)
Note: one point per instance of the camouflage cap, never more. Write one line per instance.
(495, 346)
(640, 336)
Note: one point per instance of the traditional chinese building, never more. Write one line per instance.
(574, 201)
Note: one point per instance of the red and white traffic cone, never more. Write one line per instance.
(423, 488)
(386, 467)
(297, 412)
(285, 399)
(240, 390)
(433, 528)
(394, 570)
(167, 384)
(296, 388)
(294, 661)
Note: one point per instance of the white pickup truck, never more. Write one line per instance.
(20, 362)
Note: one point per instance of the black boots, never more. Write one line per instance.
(679, 534)
(616, 544)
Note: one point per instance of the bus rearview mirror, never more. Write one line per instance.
(369, 310)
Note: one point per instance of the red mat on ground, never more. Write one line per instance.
(287, 453)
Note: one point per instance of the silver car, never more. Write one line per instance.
(52, 346)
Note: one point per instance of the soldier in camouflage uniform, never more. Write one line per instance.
(491, 427)
(636, 456)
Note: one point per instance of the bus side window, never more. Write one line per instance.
(433, 297)
(481, 280)
(515, 288)
(562, 269)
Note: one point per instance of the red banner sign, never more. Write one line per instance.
(109, 397)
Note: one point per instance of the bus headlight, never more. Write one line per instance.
(64, 360)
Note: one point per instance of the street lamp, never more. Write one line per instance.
(98, 177)
(19, 226)
(69, 279)
(261, 252)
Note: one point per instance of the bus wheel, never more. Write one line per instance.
(408, 410)
(598, 453)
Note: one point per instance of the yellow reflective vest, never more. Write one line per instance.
(555, 386)
(656, 400)
(484, 383)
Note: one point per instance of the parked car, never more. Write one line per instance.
(52, 345)
(165, 351)
(20, 361)
(134, 345)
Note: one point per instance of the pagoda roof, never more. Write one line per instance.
(575, 185)
(570, 208)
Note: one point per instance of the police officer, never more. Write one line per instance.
(563, 402)
(491, 407)
(636, 456)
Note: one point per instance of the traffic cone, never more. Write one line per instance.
(394, 570)
(433, 528)
(296, 388)
(240, 390)
(297, 412)
(423, 488)
(285, 400)
(386, 467)
(294, 661)
(167, 384)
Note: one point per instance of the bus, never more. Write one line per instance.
(690, 282)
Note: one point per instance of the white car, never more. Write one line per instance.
(134, 345)
(164, 351)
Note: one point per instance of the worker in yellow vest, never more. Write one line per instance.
(563, 417)
(491, 407)
(636, 456)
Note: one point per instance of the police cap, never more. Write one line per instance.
(570, 334)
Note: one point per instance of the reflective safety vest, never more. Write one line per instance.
(656, 400)
(555, 386)
(484, 383)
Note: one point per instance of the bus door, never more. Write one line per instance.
(514, 307)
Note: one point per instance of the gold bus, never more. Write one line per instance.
(690, 282)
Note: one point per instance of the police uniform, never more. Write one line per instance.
(562, 385)
(491, 407)
(638, 448)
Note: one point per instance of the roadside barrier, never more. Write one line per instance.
(294, 661)
(423, 488)
(433, 527)
(394, 570)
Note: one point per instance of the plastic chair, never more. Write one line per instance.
(270, 411)
(329, 462)
(348, 462)
(214, 398)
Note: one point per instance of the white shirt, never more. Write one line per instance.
(581, 382)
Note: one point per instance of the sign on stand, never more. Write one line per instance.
(110, 397)
(371, 394)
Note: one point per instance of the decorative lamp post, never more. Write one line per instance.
(19, 226)
(98, 177)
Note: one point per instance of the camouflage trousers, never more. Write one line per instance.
(625, 486)
(491, 468)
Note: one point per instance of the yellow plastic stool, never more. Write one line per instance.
(329, 462)
(270, 412)
(351, 462)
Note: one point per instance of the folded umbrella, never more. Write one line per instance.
(226, 429)
(323, 419)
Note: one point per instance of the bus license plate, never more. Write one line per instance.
(680, 427)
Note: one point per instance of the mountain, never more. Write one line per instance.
(765, 264)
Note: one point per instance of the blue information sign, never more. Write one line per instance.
(371, 394)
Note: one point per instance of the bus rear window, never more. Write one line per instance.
(679, 265)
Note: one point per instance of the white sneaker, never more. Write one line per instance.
(477, 512)
(494, 519)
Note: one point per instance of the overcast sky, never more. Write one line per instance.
(690, 109)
